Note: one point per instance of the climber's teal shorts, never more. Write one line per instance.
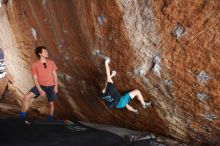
(125, 99)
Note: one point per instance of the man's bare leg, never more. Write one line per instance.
(130, 108)
(25, 104)
(26, 101)
(51, 111)
(137, 93)
(51, 108)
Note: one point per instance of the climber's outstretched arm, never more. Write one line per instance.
(108, 74)
(107, 69)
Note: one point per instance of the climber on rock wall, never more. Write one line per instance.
(45, 79)
(113, 98)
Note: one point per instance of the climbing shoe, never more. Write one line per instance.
(146, 104)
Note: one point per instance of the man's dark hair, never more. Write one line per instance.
(39, 49)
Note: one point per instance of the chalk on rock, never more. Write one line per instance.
(203, 77)
(209, 116)
(178, 31)
(98, 53)
(34, 33)
(101, 20)
(202, 96)
(156, 65)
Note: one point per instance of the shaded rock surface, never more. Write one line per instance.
(41, 132)
(46, 135)
(166, 48)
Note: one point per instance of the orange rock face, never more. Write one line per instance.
(166, 48)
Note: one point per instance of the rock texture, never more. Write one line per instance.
(166, 48)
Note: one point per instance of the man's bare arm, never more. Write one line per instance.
(55, 81)
(42, 93)
(107, 69)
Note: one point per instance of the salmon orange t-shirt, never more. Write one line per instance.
(44, 72)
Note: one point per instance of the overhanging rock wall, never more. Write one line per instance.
(166, 48)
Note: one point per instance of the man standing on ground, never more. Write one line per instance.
(45, 79)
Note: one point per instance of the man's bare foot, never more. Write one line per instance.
(136, 112)
(147, 104)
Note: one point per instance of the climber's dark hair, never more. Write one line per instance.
(39, 49)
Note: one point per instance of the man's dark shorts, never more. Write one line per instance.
(51, 95)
